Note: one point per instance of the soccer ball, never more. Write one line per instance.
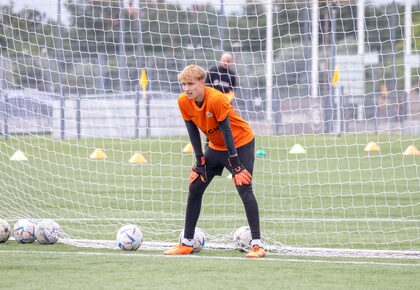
(199, 239)
(4, 231)
(24, 231)
(242, 238)
(129, 238)
(47, 232)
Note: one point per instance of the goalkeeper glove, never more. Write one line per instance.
(240, 176)
(199, 170)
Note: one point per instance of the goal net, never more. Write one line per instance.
(92, 136)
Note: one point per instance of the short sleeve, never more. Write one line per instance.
(182, 109)
(220, 107)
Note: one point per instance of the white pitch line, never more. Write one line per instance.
(102, 219)
(161, 256)
(240, 218)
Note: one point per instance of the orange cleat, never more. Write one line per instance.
(180, 249)
(256, 252)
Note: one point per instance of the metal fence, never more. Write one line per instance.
(129, 115)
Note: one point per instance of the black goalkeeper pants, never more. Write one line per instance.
(216, 161)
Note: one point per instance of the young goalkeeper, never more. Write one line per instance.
(231, 146)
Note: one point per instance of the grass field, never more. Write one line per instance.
(334, 196)
(62, 267)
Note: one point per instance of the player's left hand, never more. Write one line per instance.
(199, 171)
(240, 175)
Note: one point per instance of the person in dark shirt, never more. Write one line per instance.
(222, 77)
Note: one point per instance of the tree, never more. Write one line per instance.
(94, 26)
(27, 30)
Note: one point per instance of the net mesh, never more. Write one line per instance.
(74, 105)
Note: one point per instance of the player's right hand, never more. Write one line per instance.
(199, 171)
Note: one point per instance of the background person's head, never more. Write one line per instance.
(226, 60)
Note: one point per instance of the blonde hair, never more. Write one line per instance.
(192, 72)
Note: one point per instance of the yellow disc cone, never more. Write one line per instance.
(412, 150)
(188, 148)
(372, 147)
(137, 158)
(297, 149)
(18, 156)
(98, 154)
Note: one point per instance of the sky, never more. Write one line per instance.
(50, 6)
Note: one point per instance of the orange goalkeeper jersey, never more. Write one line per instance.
(216, 107)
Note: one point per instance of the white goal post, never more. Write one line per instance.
(88, 100)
